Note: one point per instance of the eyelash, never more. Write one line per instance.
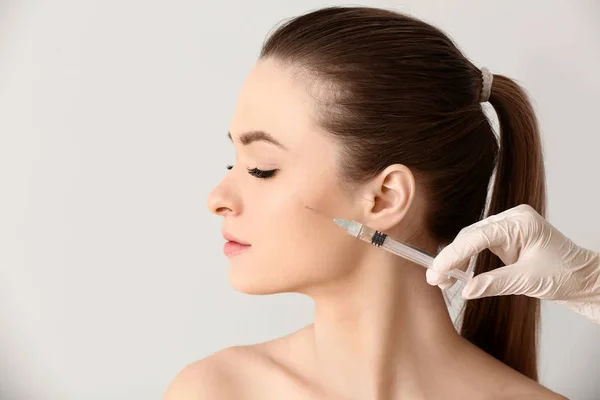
(259, 173)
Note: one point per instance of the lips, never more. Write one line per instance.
(230, 238)
(234, 246)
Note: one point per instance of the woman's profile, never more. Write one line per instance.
(375, 116)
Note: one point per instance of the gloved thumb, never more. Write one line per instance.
(499, 282)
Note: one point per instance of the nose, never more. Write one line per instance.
(222, 200)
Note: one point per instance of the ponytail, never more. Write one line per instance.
(506, 327)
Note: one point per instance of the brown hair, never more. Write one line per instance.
(399, 91)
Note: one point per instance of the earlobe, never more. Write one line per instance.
(391, 194)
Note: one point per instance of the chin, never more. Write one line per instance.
(262, 281)
(257, 286)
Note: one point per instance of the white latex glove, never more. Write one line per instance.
(540, 262)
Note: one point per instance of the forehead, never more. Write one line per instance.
(274, 99)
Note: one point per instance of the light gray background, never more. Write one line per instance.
(113, 116)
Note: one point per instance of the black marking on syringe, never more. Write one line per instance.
(378, 238)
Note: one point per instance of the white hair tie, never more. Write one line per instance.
(486, 85)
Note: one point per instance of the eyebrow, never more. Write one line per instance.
(257, 136)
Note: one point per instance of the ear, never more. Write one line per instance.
(390, 195)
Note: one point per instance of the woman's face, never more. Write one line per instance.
(291, 248)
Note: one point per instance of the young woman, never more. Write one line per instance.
(370, 115)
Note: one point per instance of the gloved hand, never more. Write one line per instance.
(541, 262)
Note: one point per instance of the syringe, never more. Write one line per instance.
(406, 251)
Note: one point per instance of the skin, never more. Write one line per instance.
(380, 331)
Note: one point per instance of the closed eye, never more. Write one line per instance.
(259, 173)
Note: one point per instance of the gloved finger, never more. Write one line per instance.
(443, 281)
(435, 278)
(449, 258)
(447, 284)
(503, 281)
(493, 232)
(469, 243)
(438, 273)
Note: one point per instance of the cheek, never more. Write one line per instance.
(294, 247)
(281, 207)
(292, 223)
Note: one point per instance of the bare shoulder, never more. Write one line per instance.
(213, 377)
(495, 380)
(524, 388)
(535, 394)
(237, 372)
(521, 387)
(539, 392)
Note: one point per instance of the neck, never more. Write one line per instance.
(382, 332)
